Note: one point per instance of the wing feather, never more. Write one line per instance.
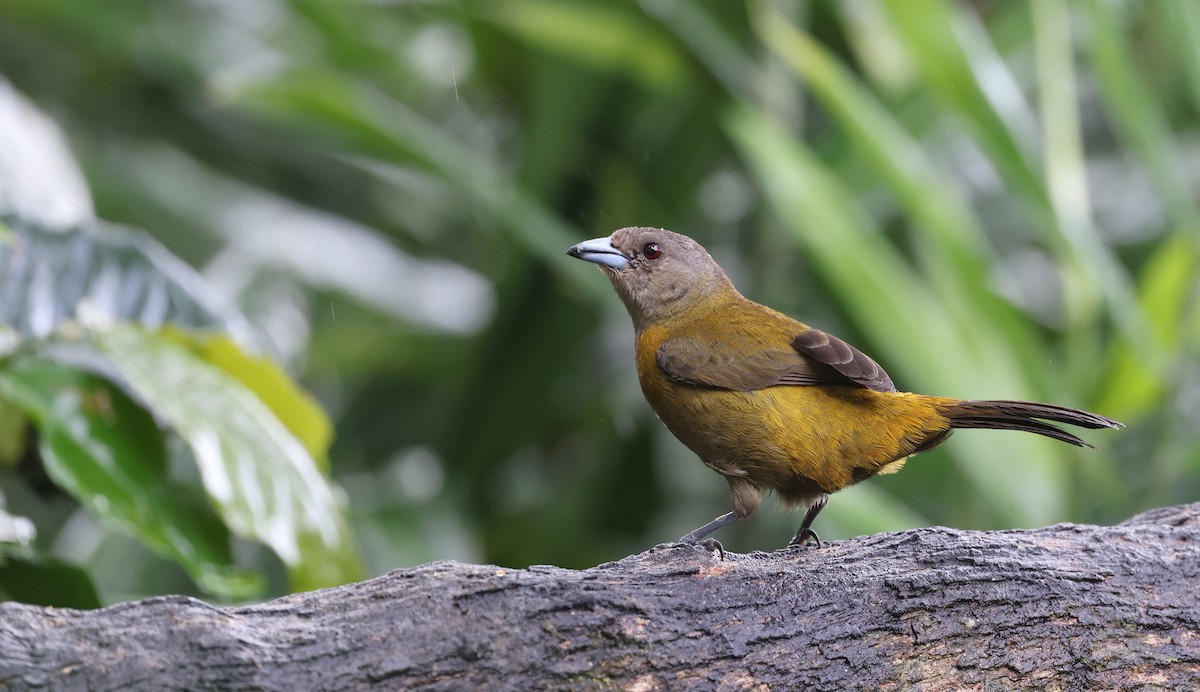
(727, 362)
(850, 362)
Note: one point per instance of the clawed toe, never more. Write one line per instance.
(713, 544)
(710, 544)
(802, 537)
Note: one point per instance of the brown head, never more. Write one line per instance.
(657, 273)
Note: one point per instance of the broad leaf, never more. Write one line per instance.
(15, 531)
(46, 581)
(294, 407)
(39, 179)
(123, 273)
(106, 450)
(259, 476)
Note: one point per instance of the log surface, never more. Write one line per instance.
(1067, 607)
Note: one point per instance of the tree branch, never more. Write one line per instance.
(1077, 607)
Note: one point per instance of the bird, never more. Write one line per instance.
(769, 402)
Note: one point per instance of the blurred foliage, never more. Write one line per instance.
(97, 389)
(995, 199)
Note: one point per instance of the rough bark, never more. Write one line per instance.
(1069, 607)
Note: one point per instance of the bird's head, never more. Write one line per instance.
(657, 273)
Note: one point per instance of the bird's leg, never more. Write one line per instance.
(698, 535)
(746, 498)
(805, 532)
(724, 520)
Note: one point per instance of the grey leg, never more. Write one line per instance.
(805, 532)
(724, 520)
(711, 543)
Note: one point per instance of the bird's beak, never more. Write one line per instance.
(599, 251)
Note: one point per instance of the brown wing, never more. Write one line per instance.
(728, 364)
(716, 364)
(848, 361)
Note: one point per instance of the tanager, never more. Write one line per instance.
(769, 402)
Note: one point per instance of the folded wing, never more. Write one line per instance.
(731, 361)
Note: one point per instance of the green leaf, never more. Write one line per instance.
(105, 450)
(957, 63)
(601, 35)
(295, 408)
(1183, 18)
(258, 475)
(1135, 111)
(47, 274)
(47, 582)
(12, 433)
(1136, 379)
(1066, 182)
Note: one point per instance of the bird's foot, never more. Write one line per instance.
(802, 537)
(710, 544)
(698, 535)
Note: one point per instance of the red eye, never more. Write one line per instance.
(651, 251)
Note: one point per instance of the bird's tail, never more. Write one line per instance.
(1024, 415)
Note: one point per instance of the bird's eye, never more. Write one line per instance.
(651, 251)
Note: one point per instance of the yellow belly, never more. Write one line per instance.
(786, 436)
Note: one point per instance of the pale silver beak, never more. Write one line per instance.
(599, 251)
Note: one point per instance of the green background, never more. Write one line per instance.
(993, 199)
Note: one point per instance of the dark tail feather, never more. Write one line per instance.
(1024, 415)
